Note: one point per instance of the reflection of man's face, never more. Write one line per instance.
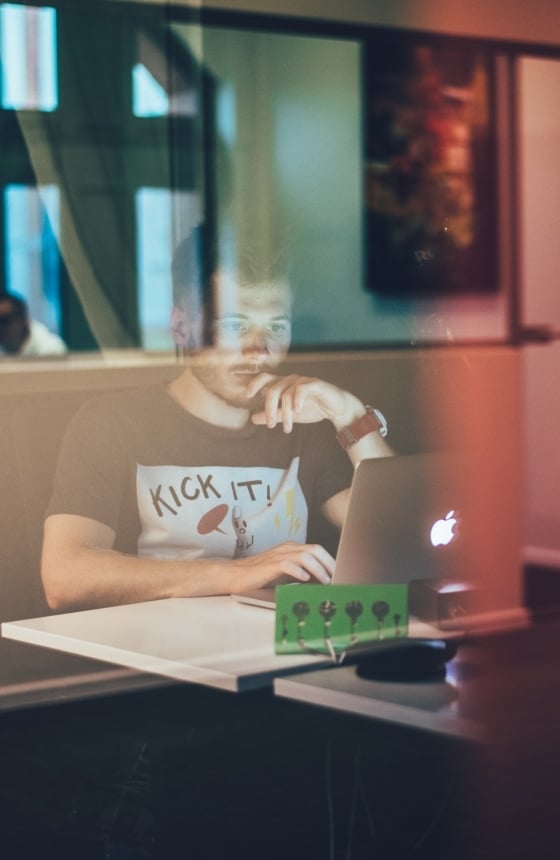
(252, 333)
(14, 328)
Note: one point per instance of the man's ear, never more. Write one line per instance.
(185, 331)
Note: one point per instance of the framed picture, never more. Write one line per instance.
(430, 166)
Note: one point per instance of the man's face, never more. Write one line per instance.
(252, 333)
(14, 328)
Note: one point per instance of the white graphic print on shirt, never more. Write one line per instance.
(218, 511)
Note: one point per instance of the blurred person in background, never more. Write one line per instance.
(22, 336)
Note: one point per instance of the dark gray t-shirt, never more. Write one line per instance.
(172, 486)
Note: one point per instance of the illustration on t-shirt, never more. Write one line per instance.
(244, 538)
(218, 511)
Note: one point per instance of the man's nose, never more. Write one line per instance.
(255, 342)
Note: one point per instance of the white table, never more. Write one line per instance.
(208, 640)
(434, 706)
(221, 643)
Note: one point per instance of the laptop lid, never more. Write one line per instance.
(408, 518)
(401, 513)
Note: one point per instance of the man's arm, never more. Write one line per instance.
(80, 569)
(335, 508)
(290, 400)
(371, 445)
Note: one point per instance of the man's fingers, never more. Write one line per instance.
(284, 399)
(298, 399)
(258, 383)
(286, 411)
(270, 387)
(278, 402)
(258, 417)
(271, 405)
(314, 566)
(296, 571)
(312, 559)
(299, 561)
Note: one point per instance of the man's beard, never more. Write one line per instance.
(228, 386)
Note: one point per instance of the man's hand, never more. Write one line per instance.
(294, 399)
(301, 562)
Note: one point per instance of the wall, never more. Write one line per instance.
(293, 152)
(540, 222)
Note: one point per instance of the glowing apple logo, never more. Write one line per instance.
(443, 530)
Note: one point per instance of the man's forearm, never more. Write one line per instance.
(372, 445)
(90, 578)
(295, 399)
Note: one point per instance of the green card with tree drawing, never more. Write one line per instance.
(330, 619)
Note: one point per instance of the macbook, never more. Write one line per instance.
(408, 519)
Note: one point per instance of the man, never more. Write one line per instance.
(204, 487)
(22, 336)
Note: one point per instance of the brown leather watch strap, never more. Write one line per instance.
(368, 423)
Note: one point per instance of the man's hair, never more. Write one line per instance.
(200, 256)
(18, 303)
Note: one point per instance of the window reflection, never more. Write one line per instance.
(29, 51)
(158, 89)
(32, 257)
(158, 212)
(148, 96)
(264, 129)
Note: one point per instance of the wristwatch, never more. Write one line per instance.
(372, 422)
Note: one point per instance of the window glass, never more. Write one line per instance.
(32, 258)
(158, 210)
(265, 128)
(28, 47)
(158, 87)
(149, 97)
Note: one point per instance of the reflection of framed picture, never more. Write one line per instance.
(430, 166)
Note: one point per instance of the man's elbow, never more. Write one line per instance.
(56, 597)
(56, 586)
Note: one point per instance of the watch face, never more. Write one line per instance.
(382, 421)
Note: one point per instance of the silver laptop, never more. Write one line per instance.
(408, 519)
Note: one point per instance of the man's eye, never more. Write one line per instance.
(232, 327)
(279, 328)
